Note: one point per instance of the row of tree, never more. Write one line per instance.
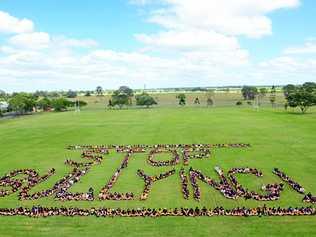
(22, 103)
(123, 97)
(297, 96)
(301, 96)
(251, 93)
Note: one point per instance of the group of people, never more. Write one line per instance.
(96, 148)
(184, 184)
(39, 212)
(223, 185)
(149, 180)
(63, 195)
(144, 147)
(59, 189)
(190, 151)
(198, 153)
(105, 191)
(272, 189)
(29, 179)
(296, 186)
(174, 161)
(309, 198)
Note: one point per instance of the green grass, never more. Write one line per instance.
(278, 139)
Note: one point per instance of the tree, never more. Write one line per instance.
(239, 103)
(272, 96)
(310, 87)
(209, 102)
(263, 91)
(71, 94)
(82, 103)
(99, 91)
(61, 104)
(22, 103)
(128, 91)
(110, 104)
(182, 99)
(120, 98)
(44, 104)
(288, 89)
(197, 101)
(302, 96)
(145, 100)
(41, 94)
(87, 94)
(210, 95)
(198, 89)
(249, 92)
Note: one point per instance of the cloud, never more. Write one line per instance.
(308, 48)
(189, 40)
(34, 40)
(10, 24)
(141, 2)
(70, 42)
(239, 17)
(197, 45)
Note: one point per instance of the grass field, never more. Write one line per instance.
(278, 139)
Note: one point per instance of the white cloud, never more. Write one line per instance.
(141, 2)
(10, 24)
(34, 40)
(308, 48)
(70, 42)
(238, 17)
(190, 40)
(197, 46)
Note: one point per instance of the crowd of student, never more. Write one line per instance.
(28, 179)
(24, 179)
(184, 184)
(309, 198)
(273, 190)
(143, 147)
(105, 191)
(223, 185)
(149, 180)
(39, 212)
(78, 164)
(196, 188)
(197, 153)
(296, 186)
(174, 161)
(59, 189)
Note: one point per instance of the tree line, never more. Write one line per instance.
(296, 96)
(23, 103)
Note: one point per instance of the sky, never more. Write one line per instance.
(78, 44)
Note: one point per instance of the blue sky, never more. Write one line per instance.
(52, 45)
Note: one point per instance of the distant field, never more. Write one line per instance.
(169, 99)
(278, 138)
